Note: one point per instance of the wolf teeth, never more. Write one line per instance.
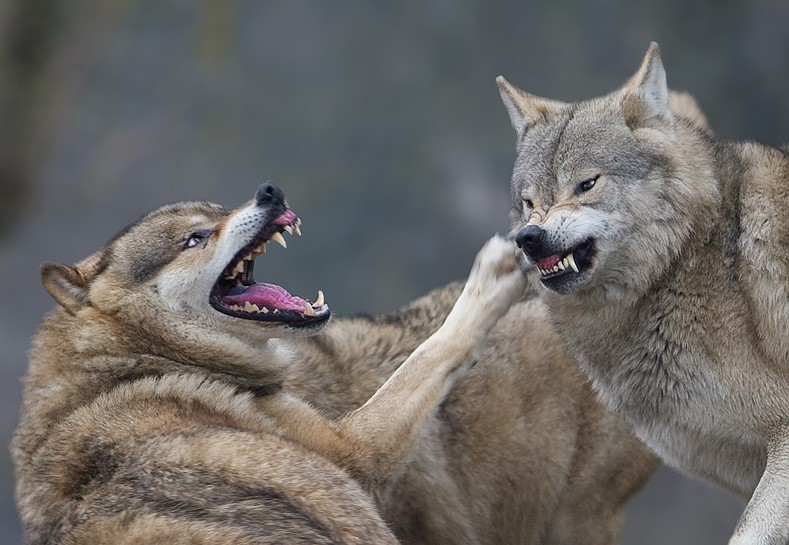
(289, 229)
(279, 239)
(249, 307)
(319, 302)
(309, 311)
(238, 269)
(297, 229)
(567, 263)
(571, 262)
(257, 251)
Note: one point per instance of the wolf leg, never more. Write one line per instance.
(766, 517)
(372, 441)
(392, 419)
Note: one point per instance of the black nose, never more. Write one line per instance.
(530, 238)
(268, 193)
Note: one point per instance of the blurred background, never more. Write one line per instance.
(380, 120)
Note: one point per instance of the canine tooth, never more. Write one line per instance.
(296, 229)
(571, 259)
(309, 311)
(248, 307)
(289, 229)
(319, 301)
(279, 239)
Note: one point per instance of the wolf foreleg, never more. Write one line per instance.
(373, 441)
(766, 517)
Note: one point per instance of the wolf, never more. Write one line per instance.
(662, 255)
(173, 398)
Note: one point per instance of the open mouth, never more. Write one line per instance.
(237, 294)
(573, 262)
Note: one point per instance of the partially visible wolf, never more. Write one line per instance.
(172, 399)
(663, 253)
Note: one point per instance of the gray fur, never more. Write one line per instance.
(680, 317)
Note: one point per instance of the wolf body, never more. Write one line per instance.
(171, 398)
(662, 253)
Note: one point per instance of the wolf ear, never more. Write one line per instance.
(646, 94)
(524, 108)
(68, 286)
(684, 105)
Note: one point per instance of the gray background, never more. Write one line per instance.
(380, 120)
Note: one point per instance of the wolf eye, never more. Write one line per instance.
(586, 185)
(196, 238)
(529, 204)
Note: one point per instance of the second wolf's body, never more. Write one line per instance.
(519, 452)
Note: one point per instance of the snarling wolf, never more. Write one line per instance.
(171, 398)
(663, 256)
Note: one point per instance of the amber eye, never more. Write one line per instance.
(588, 184)
(196, 238)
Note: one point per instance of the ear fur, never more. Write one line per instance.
(646, 95)
(523, 108)
(684, 105)
(68, 286)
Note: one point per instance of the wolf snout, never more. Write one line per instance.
(268, 194)
(530, 239)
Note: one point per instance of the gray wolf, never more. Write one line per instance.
(172, 398)
(662, 253)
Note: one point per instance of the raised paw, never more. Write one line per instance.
(494, 284)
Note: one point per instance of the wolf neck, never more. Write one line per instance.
(73, 361)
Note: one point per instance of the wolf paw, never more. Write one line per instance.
(494, 284)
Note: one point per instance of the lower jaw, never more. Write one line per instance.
(565, 282)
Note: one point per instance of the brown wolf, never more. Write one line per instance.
(171, 398)
(663, 256)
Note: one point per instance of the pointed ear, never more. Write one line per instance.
(524, 108)
(68, 286)
(646, 94)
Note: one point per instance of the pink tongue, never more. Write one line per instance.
(268, 295)
(548, 262)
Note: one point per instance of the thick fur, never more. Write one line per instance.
(680, 315)
(150, 417)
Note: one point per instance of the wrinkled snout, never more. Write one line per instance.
(531, 239)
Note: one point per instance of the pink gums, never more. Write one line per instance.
(547, 263)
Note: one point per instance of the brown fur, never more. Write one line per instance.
(149, 417)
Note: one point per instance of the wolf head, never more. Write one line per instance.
(184, 272)
(604, 191)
